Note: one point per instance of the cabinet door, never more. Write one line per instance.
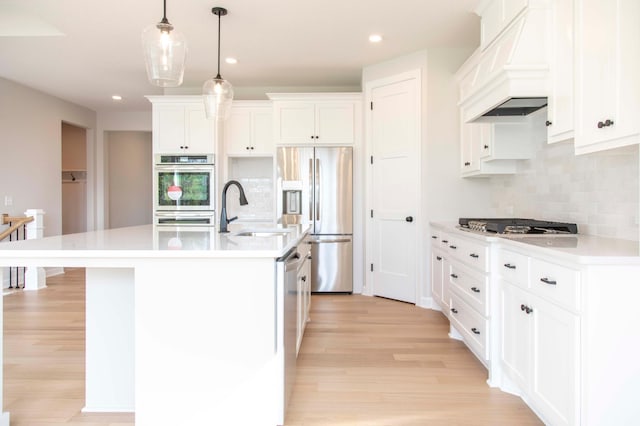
(262, 131)
(200, 131)
(295, 122)
(561, 98)
(437, 260)
(555, 363)
(237, 132)
(515, 346)
(470, 135)
(168, 128)
(335, 123)
(607, 74)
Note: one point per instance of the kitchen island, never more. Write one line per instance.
(183, 325)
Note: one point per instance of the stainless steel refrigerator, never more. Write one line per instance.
(315, 186)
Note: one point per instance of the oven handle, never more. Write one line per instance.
(184, 168)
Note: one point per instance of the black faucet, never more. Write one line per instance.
(223, 215)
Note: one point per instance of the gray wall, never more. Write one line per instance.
(129, 178)
(31, 149)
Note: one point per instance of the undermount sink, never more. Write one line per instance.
(264, 233)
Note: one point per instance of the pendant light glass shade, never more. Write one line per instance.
(165, 52)
(217, 92)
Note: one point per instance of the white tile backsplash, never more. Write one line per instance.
(597, 191)
(255, 174)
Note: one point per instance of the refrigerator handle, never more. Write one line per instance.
(311, 183)
(318, 189)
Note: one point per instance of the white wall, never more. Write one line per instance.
(31, 150)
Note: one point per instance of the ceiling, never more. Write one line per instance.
(84, 51)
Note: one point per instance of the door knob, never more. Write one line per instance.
(409, 218)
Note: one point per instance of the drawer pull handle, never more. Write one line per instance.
(475, 330)
(454, 310)
(475, 256)
(438, 257)
(453, 247)
(445, 241)
(548, 281)
(454, 276)
(475, 289)
(435, 237)
(526, 309)
(510, 266)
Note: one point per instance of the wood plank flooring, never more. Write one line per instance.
(364, 361)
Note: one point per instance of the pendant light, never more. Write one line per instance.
(217, 92)
(165, 51)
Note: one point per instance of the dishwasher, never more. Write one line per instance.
(286, 319)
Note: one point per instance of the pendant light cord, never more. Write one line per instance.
(219, 18)
(164, 13)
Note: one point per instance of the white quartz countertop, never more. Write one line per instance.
(150, 241)
(578, 248)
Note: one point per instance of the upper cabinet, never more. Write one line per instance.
(494, 148)
(607, 74)
(560, 109)
(180, 126)
(249, 129)
(316, 118)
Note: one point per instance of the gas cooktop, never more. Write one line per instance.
(517, 226)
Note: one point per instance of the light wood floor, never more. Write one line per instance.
(363, 361)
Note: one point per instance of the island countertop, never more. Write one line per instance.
(150, 241)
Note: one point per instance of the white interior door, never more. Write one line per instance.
(395, 188)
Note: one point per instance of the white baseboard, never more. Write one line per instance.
(426, 302)
(107, 410)
(4, 419)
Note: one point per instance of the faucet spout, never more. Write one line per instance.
(224, 221)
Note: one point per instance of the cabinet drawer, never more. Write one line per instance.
(514, 267)
(556, 283)
(470, 252)
(471, 325)
(471, 286)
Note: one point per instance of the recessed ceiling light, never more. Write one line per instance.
(116, 97)
(375, 38)
(231, 60)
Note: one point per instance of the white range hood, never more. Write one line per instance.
(510, 76)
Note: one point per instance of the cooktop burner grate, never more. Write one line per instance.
(517, 226)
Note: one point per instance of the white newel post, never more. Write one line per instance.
(35, 278)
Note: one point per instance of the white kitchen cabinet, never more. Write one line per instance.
(539, 345)
(249, 129)
(303, 292)
(560, 110)
(440, 270)
(180, 126)
(493, 148)
(607, 74)
(319, 118)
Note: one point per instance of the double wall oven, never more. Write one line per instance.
(184, 190)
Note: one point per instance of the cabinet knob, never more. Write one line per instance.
(486, 147)
(548, 123)
(438, 257)
(435, 237)
(608, 123)
(454, 310)
(528, 310)
(467, 163)
(311, 136)
(304, 278)
(522, 307)
(454, 276)
(475, 330)
(246, 147)
(409, 218)
(252, 148)
(475, 289)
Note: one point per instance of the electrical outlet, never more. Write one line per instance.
(8, 200)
